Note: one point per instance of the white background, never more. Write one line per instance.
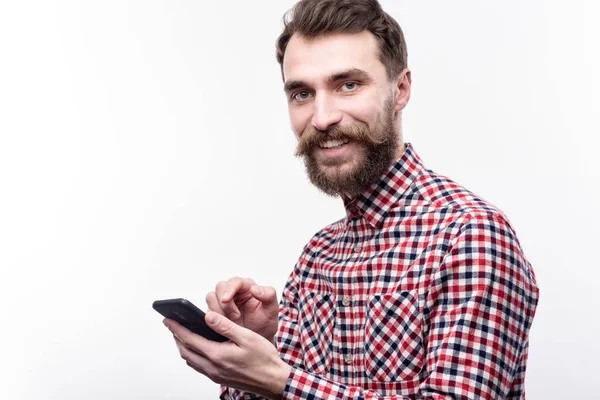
(145, 153)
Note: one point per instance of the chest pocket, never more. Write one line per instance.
(393, 340)
(316, 333)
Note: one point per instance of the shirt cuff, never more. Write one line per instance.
(228, 393)
(304, 385)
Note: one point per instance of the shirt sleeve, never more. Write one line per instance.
(228, 393)
(479, 304)
(287, 338)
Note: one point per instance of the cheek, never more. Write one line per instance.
(363, 109)
(299, 121)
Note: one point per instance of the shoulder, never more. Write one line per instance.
(441, 192)
(442, 197)
(480, 242)
(451, 218)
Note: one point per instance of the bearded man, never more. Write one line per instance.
(421, 292)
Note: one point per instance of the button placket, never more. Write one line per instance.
(347, 349)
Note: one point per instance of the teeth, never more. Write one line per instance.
(333, 143)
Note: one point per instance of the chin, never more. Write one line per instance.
(343, 169)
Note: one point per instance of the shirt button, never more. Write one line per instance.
(348, 359)
(346, 301)
(357, 247)
(353, 209)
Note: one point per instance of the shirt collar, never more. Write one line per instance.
(374, 203)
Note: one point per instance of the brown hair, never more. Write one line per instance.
(313, 18)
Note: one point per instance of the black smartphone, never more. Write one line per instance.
(188, 315)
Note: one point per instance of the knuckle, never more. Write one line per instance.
(182, 353)
(233, 283)
(218, 360)
(183, 343)
(225, 327)
(213, 355)
(209, 355)
(193, 366)
(224, 368)
(210, 296)
(214, 376)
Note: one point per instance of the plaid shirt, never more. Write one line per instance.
(421, 292)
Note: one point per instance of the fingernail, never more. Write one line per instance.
(225, 295)
(262, 291)
(212, 318)
(166, 324)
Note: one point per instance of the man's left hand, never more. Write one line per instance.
(248, 362)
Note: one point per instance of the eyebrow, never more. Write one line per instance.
(355, 73)
(293, 85)
(351, 73)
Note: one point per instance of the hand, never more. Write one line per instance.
(247, 304)
(248, 362)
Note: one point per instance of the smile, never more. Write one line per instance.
(330, 144)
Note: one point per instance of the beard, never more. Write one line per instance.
(380, 146)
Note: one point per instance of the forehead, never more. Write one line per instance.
(318, 58)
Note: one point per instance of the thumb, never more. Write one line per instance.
(225, 326)
(265, 294)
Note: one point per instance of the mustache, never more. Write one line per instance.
(312, 137)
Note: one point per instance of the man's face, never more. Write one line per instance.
(343, 110)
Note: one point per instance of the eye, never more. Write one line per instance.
(349, 86)
(301, 96)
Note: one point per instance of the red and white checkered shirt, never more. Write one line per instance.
(421, 292)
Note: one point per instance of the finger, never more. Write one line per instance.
(220, 288)
(235, 286)
(225, 305)
(213, 303)
(265, 294)
(223, 289)
(191, 356)
(187, 338)
(204, 370)
(195, 367)
(238, 289)
(227, 328)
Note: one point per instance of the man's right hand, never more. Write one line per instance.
(247, 304)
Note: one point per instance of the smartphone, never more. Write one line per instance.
(188, 315)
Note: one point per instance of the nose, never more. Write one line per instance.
(325, 113)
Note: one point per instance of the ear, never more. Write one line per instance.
(402, 92)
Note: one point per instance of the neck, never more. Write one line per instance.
(348, 197)
(400, 151)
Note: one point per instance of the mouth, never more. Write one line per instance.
(334, 152)
(333, 144)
